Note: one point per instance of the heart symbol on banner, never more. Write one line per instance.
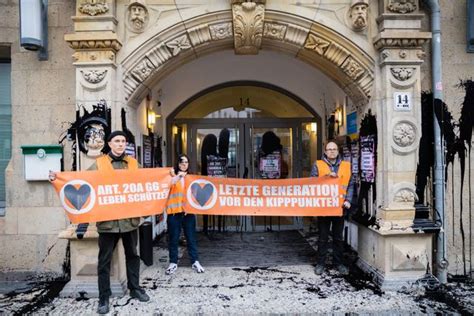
(77, 197)
(202, 194)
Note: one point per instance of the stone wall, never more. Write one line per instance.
(43, 98)
(457, 65)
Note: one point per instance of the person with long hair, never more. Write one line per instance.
(178, 219)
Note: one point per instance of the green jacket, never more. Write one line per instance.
(120, 225)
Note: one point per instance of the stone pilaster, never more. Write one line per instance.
(393, 253)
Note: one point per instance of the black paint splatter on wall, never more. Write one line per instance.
(457, 137)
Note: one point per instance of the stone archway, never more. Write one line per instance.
(339, 58)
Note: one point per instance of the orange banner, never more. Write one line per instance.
(95, 196)
(283, 197)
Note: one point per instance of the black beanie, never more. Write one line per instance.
(116, 133)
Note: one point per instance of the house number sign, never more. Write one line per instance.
(402, 101)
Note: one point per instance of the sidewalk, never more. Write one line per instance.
(279, 289)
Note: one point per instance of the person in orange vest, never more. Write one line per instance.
(332, 165)
(177, 219)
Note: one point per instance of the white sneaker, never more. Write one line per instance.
(197, 267)
(171, 268)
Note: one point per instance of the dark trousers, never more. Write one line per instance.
(336, 223)
(107, 243)
(188, 223)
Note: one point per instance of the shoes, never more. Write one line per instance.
(103, 305)
(197, 267)
(342, 269)
(171, 268)
(139, 295)
(319, 269)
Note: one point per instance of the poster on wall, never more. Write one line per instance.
(367, 158)
(216, 166)
(147, 152)
(346, 153)
(351, 123)
(130, 150)
(355, 158)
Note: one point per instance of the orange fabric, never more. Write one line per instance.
(277, 197)
(104, 163)
(175, 201)
(343, 173)
(97, 196)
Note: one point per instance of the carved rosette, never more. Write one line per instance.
(179, 44)
(275, 31)
(402, 6)
(402, 73)
(143, 70)
(221, 31)
(93, 7)
(404, 134)
(248, 26)
(94, 76)
(352, 68)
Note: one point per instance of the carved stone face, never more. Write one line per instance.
(359, 16)
(94, 139)
(137, 16)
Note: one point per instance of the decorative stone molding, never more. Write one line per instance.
(359, 14)
(402, 6)
(402, 73)
(179, 44)
(275, 31)
(248, 26)
(94, 76)
(352, 68)
(404, 134)
(159, 55)
(199, 34)
(93, 7)
(137, 16)
(403, 54)
(407, 258)
(143, 70)
(113, 44)
(221, 31)
(317, 44)
(405, 195)
(400, 42)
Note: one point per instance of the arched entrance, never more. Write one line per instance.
(226, 130)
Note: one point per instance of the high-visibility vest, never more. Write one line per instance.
(343, 174)
(104, 163)
(175, 201)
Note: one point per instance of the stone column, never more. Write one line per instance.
(96, 44)
(393, 252)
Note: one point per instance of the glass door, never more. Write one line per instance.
(270, 151)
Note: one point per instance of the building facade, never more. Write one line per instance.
(174, 72)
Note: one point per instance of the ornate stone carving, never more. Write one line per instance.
(275, 31)
(402, 73)
(199, 34)
(179, 44)
(221, 31)
(94, 76)
(403, 54)
(404, 134)
(402, 6)
(138, 16)
(352, 68)
(159, 55)
(405, 195)
(385, 54)
(248, 26)
(401, 42)
(359, 14)
(409, 256)
(93, 7)
(296, 35)
(317, 44)
(95, 44)
(143, 70)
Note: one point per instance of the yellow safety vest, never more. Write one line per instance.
(104, 163)
(343, 174)
(175, 201)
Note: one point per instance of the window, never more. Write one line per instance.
(5, 120)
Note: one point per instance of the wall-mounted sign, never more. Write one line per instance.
(352, 123)
(402, 101)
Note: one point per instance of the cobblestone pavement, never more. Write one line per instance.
(276, 289)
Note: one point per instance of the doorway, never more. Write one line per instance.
(266, 135)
